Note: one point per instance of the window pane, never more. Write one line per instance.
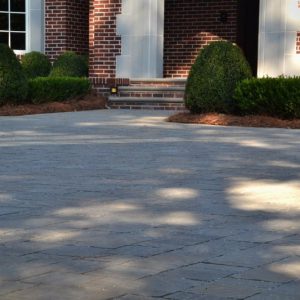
(4, 5)
(3, 21)
(17, 5)
(4, 38)
(17, 22)
(18, 41)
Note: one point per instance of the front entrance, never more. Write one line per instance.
(248, 28)
(158, 40)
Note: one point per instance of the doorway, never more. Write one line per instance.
(248, 29)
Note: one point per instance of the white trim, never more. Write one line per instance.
(9, 31)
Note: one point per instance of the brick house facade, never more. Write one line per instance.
(140, 39)
(192, 24)
(66, 26)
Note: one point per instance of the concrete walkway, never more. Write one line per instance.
(121, 205)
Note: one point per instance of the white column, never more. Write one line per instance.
(35, 25)
(279, 24)
(141, 27)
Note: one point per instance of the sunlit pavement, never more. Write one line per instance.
(122, 205)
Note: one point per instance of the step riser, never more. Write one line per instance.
(149, 106)
(148, 94)
(169, 83)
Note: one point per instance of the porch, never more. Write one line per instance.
(159, 39)
(147, 47)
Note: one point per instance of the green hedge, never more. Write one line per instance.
(36, 64)
(50, 89)
(13, 82)
(71, 65)
(276, 97)
(213, 78)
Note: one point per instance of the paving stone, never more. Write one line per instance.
(205, 272)
(289, 289)
(258, 237)
(122, 205)
(137, 297)
(282, 271)
(252, 257)
(44, 292)
(271, 296)
(182, 296)
(233, 288)
(192, 296)
(7, 288)
(24, 270)
(162, 285)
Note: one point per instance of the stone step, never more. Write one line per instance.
(154, 103)
(166, 93)
(152, 91)
(181, 82)
(147, 88)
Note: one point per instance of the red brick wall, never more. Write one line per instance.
(66, 23)
(104, 43)
(298, 42)
(192, 24)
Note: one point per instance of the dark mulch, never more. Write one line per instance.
(89, 102)
(230, 120)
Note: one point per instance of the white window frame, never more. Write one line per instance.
(19, 52)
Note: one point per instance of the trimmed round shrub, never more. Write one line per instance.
(13, 82)
(213, 78)
(36, 64)
(276, 97)
(51, 89)
(70, 64)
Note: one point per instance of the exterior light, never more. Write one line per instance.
(114, 90)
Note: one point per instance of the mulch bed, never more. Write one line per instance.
(89, 102)
(230, 120)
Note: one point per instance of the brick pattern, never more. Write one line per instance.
(104, 44)
(66, 26)
(150, 105)
(192, 24)
(157, 83)
(298, 43)
(157, 94)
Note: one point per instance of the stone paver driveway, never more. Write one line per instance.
(121, 205)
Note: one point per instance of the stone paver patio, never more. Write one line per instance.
(121, 205)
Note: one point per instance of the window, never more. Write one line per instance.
(13, 23)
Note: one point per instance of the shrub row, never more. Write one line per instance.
(68, 64)
(43, 89)
(36, 64)
(28, 82)
(221, 81)
(276, 97)
(71, 65)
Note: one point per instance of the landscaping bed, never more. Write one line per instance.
(89, 102)
(231, 120)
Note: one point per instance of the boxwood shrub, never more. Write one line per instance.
(215, 74)
(50, 89)
(69, 64)
(36, 64)
(13, 82)
(276, 97)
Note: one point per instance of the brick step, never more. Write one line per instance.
(152, 91)
(161, 82)
(155, 103)
(144, 88)
(164, 94)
